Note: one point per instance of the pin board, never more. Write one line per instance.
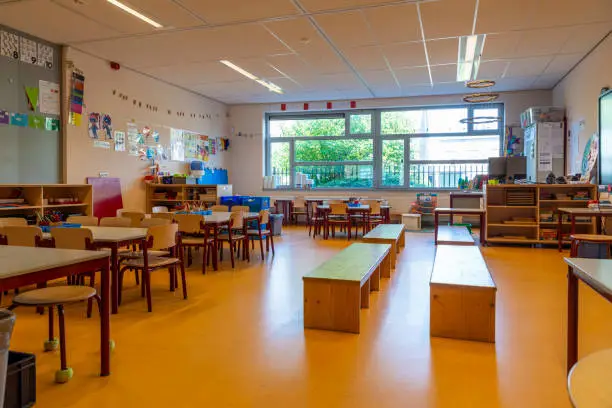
(30, 126)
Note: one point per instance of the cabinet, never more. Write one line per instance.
(178, 195)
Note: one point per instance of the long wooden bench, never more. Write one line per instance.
(335, 292)
(462, 295)
(392, 234)
(454, 235)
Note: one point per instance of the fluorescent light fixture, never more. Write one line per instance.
(272, 87)
(135, 13)
(470, 51)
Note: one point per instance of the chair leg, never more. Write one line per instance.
(261, 247)
(99, 303)
(120, 294)
(171, 277)
(267, 243)
(271, 242)
(65, 373)
(204, 258)
(92, 283)
(142, 286)
(184, 279)
(51, 343)
(146, 277)
(231, 245)
(136, 277)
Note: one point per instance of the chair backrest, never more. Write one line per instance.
(188, 223)
(135, 216)
(219, 208)
(83, 220)
(374, 207)
(163, 215)
(243, 208)
(115, 222)
(159, 209)
(237, 219)
(299, 203)
(264, 217)
(21, 236)
(151, 222)
(338, 208)
(336, 202)
(72, 238)
(164, 236)
(13, 222)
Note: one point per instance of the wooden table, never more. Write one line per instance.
(392, 234)
(336, 290)
(22, 266)
(588, 383)
(284, 205)
(579, 212)
(362, 209)
(595, 273)
(217, 220)
(459, 211)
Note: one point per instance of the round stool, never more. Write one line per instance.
(588, 382)
(57, 297)
(577, 239)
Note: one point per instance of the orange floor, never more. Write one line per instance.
(239, 342)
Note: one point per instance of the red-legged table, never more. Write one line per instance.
(459, 211)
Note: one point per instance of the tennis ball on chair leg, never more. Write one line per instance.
(63, 376)
(111, 344)
(51, 345)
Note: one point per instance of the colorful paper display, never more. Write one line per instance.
(77, 92)
(4, 117)
(52, 124)
(119, 141)
(36, 122)
(19, 119)
(32, 95)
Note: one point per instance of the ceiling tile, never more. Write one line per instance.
(554, 14)
(347, 29)
(379, 78)
(444, 73)
(452, 18)
(167, 12)
(366, 58)
(492, 69)
(561, 64)
(442, 51)
(393, 24)
(405, 54)
(226, 11)
(541, 42)
(290, 65)
(547, 81)
(499, 46)
(527, 66)
(320, 5)
(33, 17)
(514, 84)
(496, 16)
(412, 76)
(584, 37)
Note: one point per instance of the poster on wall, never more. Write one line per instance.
(77, 93)
(49, 94)
(45, 56)
(196, 146)
(107, 126)
(29, 50)
(9, 45)
(93, 125)
(119, 141)
(133, 137)
(177, 145)
(101, 144)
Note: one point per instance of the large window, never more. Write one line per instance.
(387, 148)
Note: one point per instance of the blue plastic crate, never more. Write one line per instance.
(256, 204)
(231, 201)
(203, 212)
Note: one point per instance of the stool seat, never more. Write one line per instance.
(56, 295)
(589, 381)
(190, 241)
(592, 237)
(153, 262)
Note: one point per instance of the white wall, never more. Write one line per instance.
(579, 93)
(83, 160)
(247, 151)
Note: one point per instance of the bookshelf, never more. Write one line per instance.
(26, 200)
(526, 213)
(177, 195)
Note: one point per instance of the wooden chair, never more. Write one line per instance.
(13, 222)
(241, 208)
(29, 236)
(159, 238)
(57, 297)
(136, 217)
(151, 222)
(219, 208)
(315, 220)
(194, 234)
(159, 210)
(115, 222)
(163, 215)
(81, 239)
(299, 210)
(260, 234)
(234, 235)
(83, 220)
(578, 239)
(338, 216)
(374, 217)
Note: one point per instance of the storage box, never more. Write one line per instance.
(412, 222)
(542, 114)
(184, 180)
(20, 391)
(256, 204)
(231, 201)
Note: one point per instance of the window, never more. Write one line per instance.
(385, 148)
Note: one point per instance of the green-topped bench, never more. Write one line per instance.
(392, 234)
(335, 292)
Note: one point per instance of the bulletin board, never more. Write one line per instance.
(31, 142)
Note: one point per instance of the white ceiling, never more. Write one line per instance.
(325, 49)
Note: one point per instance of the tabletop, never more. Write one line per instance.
(386, 231)
(462, 266)
(117, 234)
(218, 217)
(589, 381)
(585, 211)
(355, 208)
(597, 273)
(352, 263)
(18, 261)
(460, 210)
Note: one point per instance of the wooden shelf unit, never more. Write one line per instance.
(41, 197)
(499, 211)
(180, 194)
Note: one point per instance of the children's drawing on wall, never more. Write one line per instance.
(155, 136)
(107, 126)
(119, 141)
(213, 146)
(177, 145)
(204, 149)
(133, 135)
(94, 125)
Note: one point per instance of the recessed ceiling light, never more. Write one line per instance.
(470, 51)
(135, 13)
(272, 87)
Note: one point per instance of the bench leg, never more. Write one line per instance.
(385, 266)
(393, 252)
(402, 240)
(436, 220)
(365, 295)
(375, 280)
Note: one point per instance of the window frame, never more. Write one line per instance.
(377, 140)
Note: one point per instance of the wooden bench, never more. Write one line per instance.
(454, 235)
(336, 290)
(392, 234)
(451, 212)
(462, 295)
